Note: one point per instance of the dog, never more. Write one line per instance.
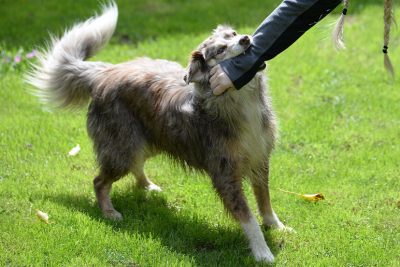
(148, 106)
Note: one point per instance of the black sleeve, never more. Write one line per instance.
(290, 20)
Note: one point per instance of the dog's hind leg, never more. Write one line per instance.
(231, 193)
(112, 130)
(102, 187)
(142, 181)
(260, 183)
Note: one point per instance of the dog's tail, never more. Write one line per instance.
(62, 77)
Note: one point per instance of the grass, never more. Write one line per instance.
(339, 134)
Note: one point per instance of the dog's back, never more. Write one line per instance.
(144, 105)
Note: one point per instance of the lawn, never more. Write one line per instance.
(339, 117)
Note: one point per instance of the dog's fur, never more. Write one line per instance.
(144, 107)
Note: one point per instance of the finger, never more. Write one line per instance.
(216, 80)
(214, 70)
(214, 85)
(213, 78)
(219, 90)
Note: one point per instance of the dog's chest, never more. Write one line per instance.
(253, 135)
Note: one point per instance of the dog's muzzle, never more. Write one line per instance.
(244, 41)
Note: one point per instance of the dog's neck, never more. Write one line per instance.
(231, 105)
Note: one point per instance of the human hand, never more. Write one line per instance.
(219, 81)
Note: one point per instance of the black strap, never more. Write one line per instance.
(385, 49)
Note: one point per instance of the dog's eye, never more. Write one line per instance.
(221, 50)
(234, 33)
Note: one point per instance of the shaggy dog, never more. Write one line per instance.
(144, 107)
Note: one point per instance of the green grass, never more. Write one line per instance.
(339, 135)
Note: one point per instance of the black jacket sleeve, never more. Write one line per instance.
(290, 20)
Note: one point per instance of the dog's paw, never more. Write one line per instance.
(148, 186)
(283, 228)
(264, 256)
(153, 187)
(287, 229)
(112, 215)
(274, 223)
(278, 225)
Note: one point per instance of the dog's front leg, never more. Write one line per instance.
(229, 188)
(260, 183)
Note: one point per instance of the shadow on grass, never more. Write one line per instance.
(149, 214)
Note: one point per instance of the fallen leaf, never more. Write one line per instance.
(312, 197)
(42, 216)
(75, 150)
(308, 197)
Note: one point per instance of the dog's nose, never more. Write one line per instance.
(245, 40)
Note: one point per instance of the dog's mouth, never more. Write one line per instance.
(245, 49)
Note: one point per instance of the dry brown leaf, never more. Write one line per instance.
(308, 197)
(42, 216)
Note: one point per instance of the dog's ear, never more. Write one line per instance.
(197, 68)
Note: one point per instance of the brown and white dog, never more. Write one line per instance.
(144, 107)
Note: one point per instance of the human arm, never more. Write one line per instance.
(290, 20)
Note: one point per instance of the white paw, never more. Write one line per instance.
(264, 256)
(153, 187)
(112, 215)
(257, 242)
(274, 222)
(287, 229)
(278, 225)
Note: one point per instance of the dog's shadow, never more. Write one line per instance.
(149, 214)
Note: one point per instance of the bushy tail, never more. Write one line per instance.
(62, 77)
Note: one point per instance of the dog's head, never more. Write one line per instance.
(224, 43)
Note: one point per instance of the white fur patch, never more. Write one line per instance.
(153, 187)
(274, 222)
(258, 245)
(187, 108)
